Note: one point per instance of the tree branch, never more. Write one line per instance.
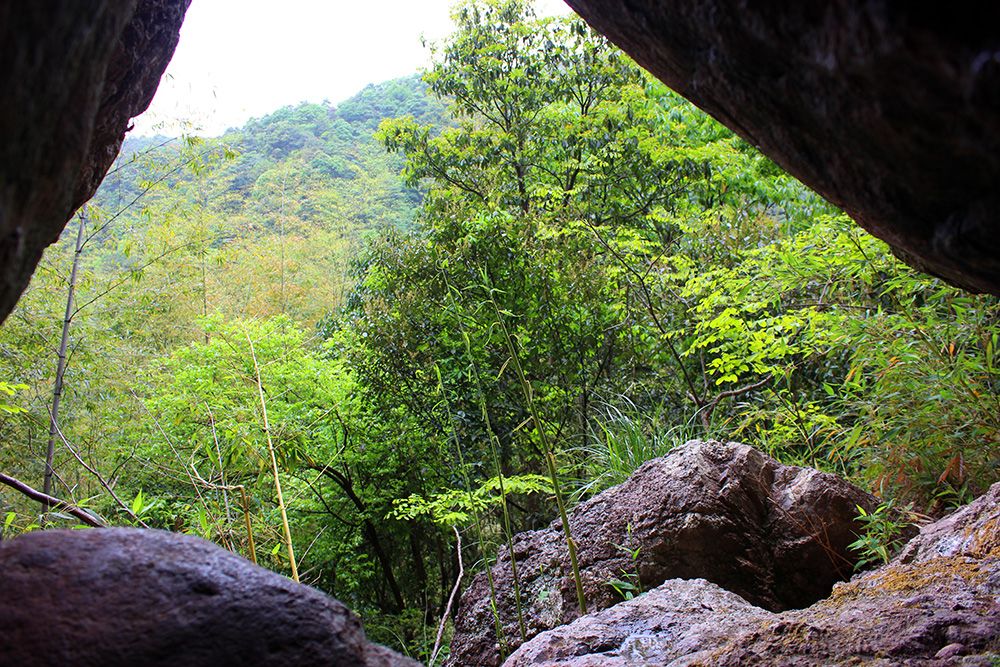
(709, 408)
(451, 598)
(52, 502)
(100, 479)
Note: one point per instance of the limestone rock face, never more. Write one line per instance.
(890, 110)
(775, 535)
(72, 75)
(120, 597)
(937, 603)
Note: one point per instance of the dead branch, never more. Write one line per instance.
(100, 478)
(52, 502)
(708, 408)
(451, 598)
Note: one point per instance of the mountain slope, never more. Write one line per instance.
(274, 210)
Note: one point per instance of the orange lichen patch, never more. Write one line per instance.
(923, 575)
(987, 539)
(903, 578)
(842, 593)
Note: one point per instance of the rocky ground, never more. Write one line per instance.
(774, 535)
(739, 561)
(738, 556)
(936, 603)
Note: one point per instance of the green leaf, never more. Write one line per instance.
(138, 504)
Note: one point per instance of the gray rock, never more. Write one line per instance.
(677, 619)
(890, 110)
(775, 535)
(123, 597)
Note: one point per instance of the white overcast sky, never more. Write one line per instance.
(240, 59)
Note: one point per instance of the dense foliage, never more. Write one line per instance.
(574, 271)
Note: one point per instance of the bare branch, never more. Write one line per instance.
(451, 598)
(99, 477)
(709, 408)
(52, 502)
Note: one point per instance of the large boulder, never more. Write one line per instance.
(890, 110)
(775, 535)
(937, 603)
(72, 75)
(121, 597)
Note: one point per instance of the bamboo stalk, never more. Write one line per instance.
(550, 460)
(274, 464)
(494, 445)
(246, 517)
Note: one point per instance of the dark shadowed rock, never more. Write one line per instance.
(891, 110)
(775, 535)
(72, 75)
(124, 598)
(937, 603)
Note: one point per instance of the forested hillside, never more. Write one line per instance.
(466, 302)
(306, 182)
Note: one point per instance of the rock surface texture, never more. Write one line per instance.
(72, 75)
(775, 535)
(121, 597)
(891, 110)
(937, 603)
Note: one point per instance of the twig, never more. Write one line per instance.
(709, 408)
(246, 505)
(170, 444)
(52, 502)
(695, 397)
(451, 598)
(100, 478)
(222, 469)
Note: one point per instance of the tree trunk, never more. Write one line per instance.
(369, 532)
(61, 362)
